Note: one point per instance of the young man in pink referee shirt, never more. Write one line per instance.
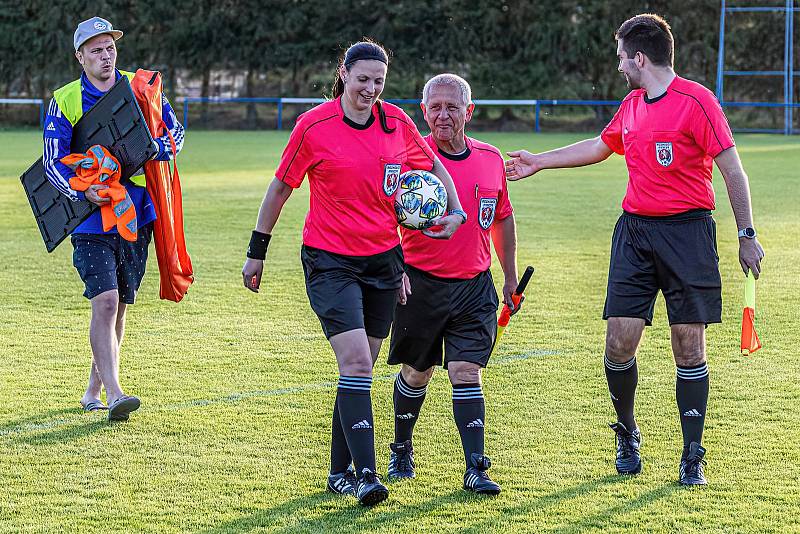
(452, 302)
(670, 130)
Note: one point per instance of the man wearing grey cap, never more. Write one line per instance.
(110, 267)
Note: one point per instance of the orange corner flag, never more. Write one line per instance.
(750, 341)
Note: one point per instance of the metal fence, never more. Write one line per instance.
(27, 102)
(535, 105)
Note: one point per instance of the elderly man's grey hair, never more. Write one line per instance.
(448, 79)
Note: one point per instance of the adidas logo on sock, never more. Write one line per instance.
(51, 127)
(477, 423)
(692, 413)
(363, 424)
(405, 416)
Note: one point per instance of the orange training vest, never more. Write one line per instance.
(98, 166)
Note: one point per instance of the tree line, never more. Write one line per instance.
(507, 49)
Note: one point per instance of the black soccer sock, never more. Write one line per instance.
(691, 392)
(355, 414)
(622, 379)
(469, 411)
(340, 454)
(407, 404)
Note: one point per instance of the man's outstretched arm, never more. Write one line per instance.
(523, 164)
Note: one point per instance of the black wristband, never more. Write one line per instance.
(257, 249)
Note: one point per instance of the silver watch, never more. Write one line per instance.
(459, 212)
(748, 232)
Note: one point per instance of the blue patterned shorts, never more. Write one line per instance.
(107, 261)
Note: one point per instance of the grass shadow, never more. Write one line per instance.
(288, 517)
(62, 434)
(601, 519)
(595, 520)
(286, 512)
(338, 519)
(546, 501)
(409, 515)
(36, 417)
(38, 420)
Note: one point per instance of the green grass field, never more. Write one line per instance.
(237, 388)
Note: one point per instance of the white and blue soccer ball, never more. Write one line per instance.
(420, 198)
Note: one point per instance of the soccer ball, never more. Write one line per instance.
(420, 198)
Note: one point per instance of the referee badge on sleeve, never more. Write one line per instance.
(486, 213)
(664, 153)
(391, 178)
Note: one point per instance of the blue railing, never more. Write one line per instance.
(535, 104)
(27, 101)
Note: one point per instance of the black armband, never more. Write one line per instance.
(257, 249)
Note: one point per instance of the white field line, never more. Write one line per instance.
(237, 397)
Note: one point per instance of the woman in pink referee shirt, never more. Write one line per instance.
(352, 148)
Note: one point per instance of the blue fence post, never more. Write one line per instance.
(185, 112)
(537, 109)
(721, 53)
(789, 66)
(787, 125)
(280, 113)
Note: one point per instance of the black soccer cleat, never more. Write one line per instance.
(401, 461)
(629, 461)
(369, 490)
(343, 483)
(691, 470)
(476, 479)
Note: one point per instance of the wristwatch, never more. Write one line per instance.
(459, 212)
(748, 232)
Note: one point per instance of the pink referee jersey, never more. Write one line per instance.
(353, 173)
(479, 176)
(669, 144)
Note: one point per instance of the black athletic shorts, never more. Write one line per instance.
(461, 314)
(108, 261)
(675, 254)
(350, 292)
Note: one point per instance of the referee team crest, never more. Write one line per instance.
(486, 213)
(391, 178)
(664, 153)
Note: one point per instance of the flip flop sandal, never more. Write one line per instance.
(121, 408)
(94, 406)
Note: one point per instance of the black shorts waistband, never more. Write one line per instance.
(440, 279)
(700, 213)
(394, 249)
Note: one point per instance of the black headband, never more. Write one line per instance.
(371, 54)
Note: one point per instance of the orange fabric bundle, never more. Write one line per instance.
(750, 341)
(164, 186)
(99, 167)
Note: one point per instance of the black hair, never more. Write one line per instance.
(361, 50)
(650, 35)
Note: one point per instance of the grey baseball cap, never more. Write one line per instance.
(92, 27)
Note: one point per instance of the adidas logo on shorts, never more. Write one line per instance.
(363, 424)
(692, 413)
(51, 127)
(405, 416)
(477, 423)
